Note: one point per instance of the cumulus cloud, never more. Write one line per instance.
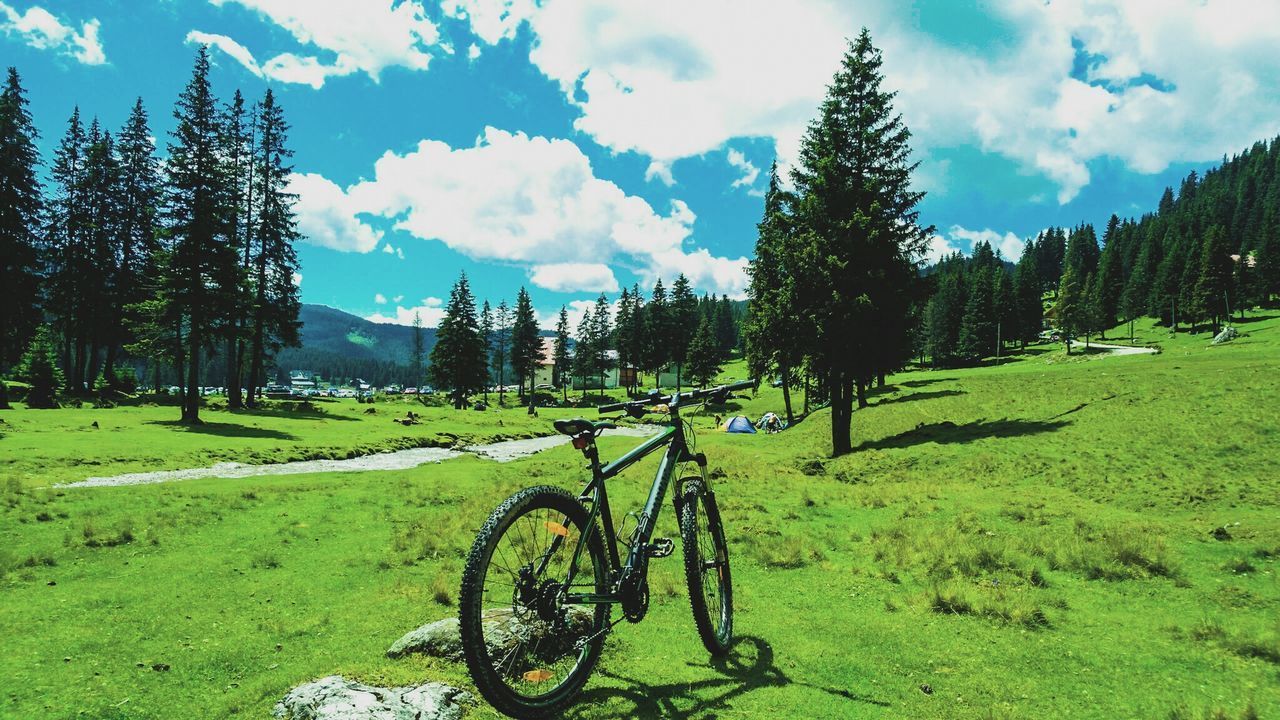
(571, 277)
(1008, 245)
(380, 299)
(42, 30)
(366, 37)
(326, 216)
(749, 172)
(1153, 71)
(529, 201)
(491, 20)
(430, 315)
(233, 49)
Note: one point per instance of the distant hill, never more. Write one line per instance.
(337, 344)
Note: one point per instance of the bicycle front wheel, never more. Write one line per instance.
(528, 650)
(706, 567)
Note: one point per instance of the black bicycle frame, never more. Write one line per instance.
(677, 453)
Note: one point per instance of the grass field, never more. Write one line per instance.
(1051, 537)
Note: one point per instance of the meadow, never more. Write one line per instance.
(1087, 537)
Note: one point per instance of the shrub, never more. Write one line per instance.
(39, 368)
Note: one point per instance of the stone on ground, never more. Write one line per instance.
(336, 698)
(441, 639)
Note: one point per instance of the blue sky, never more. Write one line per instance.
(578, 147)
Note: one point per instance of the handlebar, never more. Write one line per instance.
(656, 399)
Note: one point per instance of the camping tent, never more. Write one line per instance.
(739, 424)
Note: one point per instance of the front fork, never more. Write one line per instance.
(701, 460)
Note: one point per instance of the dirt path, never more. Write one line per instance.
(1123, 349)
(504, 451)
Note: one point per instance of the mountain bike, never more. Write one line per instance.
(545, 571)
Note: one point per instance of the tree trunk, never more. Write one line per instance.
(880, 380)
(806, 393)
(786, 393)
(841, 413)
(234, 399)
(93, 364)
(191, 403)
(862, 393)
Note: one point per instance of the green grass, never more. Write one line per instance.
(1047, 538)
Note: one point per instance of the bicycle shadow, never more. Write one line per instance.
(748, 667)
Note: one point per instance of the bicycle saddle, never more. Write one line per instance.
(577, 426)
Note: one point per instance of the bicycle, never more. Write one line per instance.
(543, 576)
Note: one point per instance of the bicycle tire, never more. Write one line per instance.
(696, 538)
(489, 680)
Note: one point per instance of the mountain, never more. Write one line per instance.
(337, 344)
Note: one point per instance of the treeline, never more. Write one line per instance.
(167, 260)
(475, 349)
(835, 284)
(1210, 251)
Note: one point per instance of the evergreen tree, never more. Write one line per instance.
(1027, 294)
(621, 331)
(1110, 276)
(1068, 308)
(526, 344)
(703, 359)
(683, 320)
(1082, 251)
(486, 334)
(726, 327)
(862, 236)
(1090, 315)
(978, 327)
(68, 262)
(417, 354)
(584, 351)
(1006, 309)
(458, 358)
(561, 354)
(944, 315)
(601, 331)
(20, 208)
(773, 326)
(100, 193)
(39, 368)
(198, 205)
(274, 265)
(498, 350)
(138, 198)
(1215, 277)
(1267, 263)
(237, 147)
(658, 344)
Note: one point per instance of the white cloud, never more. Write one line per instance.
(661, 172)
(380, 299)
(749, 172)
(574, 277)
(297, 279)
(473, 52)
(42, 30)
(433, 302)
(530, 201)
(626, 67)
(233, 49)
(397, 299)
(388, 249)
(326, 216)
(431, 316)
(961, 239)
(491, 20)
(366, 37)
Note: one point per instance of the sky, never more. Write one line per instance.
(575, 148)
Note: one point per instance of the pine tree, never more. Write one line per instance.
(100, 193)
(237, 147)
(138, 198)
(458, 358)
(621, 332)
(682, 322)
(585, 349)
(1110, 277)
(1215, 276)
(1068, 307)
(67, 250)
(1006, 309)
(1027, 294)
(862, 235)
(657, 344)
(526, 344)
(39, 368)
(486, 334)
(561, 354)
(978, 328)
(498, 350)
(726, 326)
(20, 208)
(274, 265)
(1082, 251)
(703, 358)
(601, 331)
(773, 326)
(418, 353)
(198, 205)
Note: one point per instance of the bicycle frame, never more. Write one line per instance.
(677, 452)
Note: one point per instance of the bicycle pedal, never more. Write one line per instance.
(661, 547)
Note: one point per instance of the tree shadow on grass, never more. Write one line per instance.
(297, 412)
(923, 383)
(948, 432)
(749, 666)
(928, 395)
(225, 430)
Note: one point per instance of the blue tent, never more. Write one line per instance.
(739, 424)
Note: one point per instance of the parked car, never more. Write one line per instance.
(411, 391)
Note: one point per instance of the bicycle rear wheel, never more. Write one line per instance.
(706, 567)
(528, 651)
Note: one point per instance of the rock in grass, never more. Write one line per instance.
(441, 638)
(337, 698)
